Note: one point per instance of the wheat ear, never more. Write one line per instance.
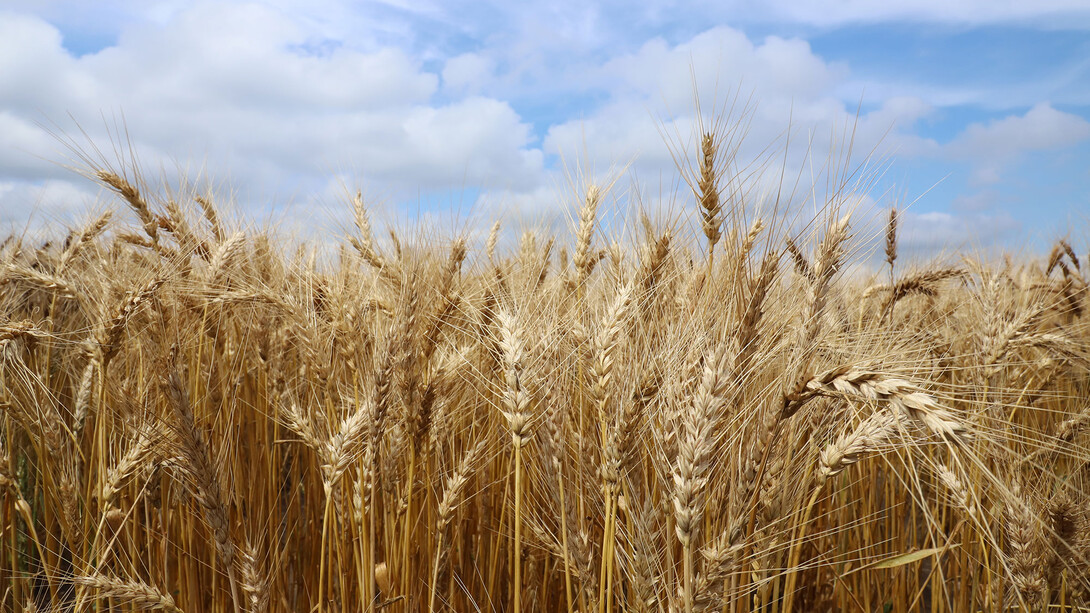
(516, 403)
(138, 594)
(711, 211)
(109, 338)
(582, 258)
(1023, 551)
(255, 583)
(900, 394)
(891, 239)
(690, 472)
(365, 243)
(204, 482)
(453, 489)
(854, 445)
(130, 194)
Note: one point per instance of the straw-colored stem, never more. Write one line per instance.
(518, 528)
(564, 541)
(326, 512)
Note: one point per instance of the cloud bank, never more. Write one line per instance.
(291, 103)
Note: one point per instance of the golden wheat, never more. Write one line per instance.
(191, 421)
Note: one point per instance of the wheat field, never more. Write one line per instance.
(710, 415)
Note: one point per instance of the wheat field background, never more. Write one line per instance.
(198, 415)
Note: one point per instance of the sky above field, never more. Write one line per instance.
(974, 114)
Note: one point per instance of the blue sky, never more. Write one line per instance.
(449, 110)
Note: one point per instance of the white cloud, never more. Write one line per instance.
(406, 97)
(977, 202)
(254, 95)
(991, 147)
(830, 12)
(933, 231)
(468, 72)
(525, 208)
(24, 147)
(1041, 128)
(478, 140)
(985, 174)
(790, 86)
(253, 57)
(20, 200)
(36, 73)
(891, 124)
(719, 59)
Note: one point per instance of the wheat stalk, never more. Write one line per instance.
(516, 411)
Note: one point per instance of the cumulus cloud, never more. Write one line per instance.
(252, 93)
(783, 89)
(254, 57)
(893, 122)
(277, 97)
(993, 145)
(722, 56)
(277, 108)
(1042, 127)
